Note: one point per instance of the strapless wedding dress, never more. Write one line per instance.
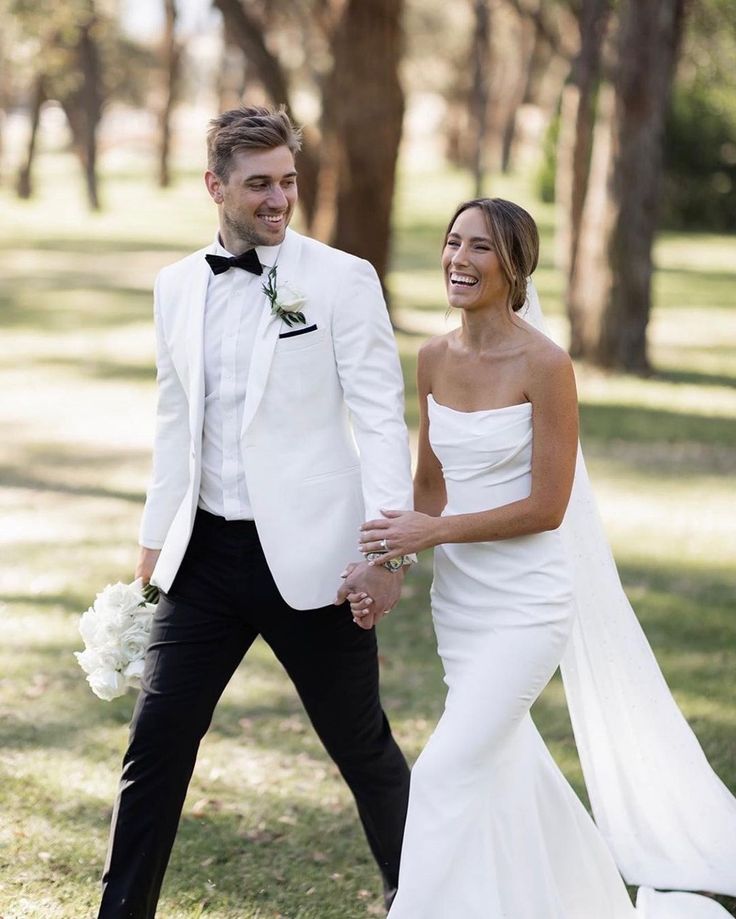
(494, 831)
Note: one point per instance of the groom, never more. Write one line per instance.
(275, 358)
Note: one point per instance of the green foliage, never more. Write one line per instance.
(547, 171)
(45, 36)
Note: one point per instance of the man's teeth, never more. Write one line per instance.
(464, 279)
(272, 218)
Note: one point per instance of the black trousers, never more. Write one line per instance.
(221, 599)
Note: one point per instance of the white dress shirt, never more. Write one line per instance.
(233, 309)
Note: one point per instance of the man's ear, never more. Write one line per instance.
(214, 186)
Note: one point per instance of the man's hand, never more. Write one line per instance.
(375, 584)
(147, 559)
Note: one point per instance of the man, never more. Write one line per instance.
(257, 494)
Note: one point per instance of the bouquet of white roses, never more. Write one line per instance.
(116, 630)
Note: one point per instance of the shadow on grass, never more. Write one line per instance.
(70, 303)
(90, 247)
(103, 370)
(17, 477)
(642, 425)
(696, 377)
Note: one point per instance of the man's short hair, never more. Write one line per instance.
(251, 127)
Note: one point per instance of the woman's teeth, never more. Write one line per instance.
(463, 279)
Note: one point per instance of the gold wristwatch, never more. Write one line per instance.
(393, 564)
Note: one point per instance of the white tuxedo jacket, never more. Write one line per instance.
(323, 440)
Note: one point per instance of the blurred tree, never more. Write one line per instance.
(480, 56)
(614, 290)
(83, 100)
(575, 140)
(365, 102)
(348, 53)
(171, 53)
(75, 54)
(542, 54)
(699, 190)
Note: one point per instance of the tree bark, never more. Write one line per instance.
(369, 109)
(481, 55)
(577, 119)
(84, 107)
(172, 54)
(649, 41)
(245, 31)
(24, 184)
(590, 284)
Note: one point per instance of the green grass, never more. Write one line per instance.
(269, 829)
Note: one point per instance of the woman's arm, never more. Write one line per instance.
(553, 396)
(430, 496)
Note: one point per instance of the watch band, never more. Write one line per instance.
(393, 564)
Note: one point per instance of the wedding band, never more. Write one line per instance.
(384, 545)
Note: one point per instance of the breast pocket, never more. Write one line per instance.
(290, 343)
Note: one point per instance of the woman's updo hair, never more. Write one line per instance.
(514, 237)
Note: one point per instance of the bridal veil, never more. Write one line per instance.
(668, 820)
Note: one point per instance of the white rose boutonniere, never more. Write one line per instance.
(286, 301)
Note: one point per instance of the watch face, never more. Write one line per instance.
(394, 564)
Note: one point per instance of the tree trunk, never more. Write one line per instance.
(4, 100)
(172, 54)
(526, 52)
(24, 184)
(590, 284)
(369, 109)
(649, 40)
(481, 55)
(85, 110)
(245, 31)
(577, 119)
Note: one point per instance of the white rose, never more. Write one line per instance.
(88, 660)
(107, 684)
(289, 299)
(134, 641)
(90, 627)
(118, 600)
(133, 673)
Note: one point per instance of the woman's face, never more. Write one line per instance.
(473, 274)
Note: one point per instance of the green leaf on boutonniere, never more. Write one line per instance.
(285, 302)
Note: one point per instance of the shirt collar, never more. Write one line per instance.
(267, 255)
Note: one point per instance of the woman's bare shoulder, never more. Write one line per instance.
(434, 348)
(544, 354)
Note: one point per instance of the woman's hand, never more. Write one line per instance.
(399, 533)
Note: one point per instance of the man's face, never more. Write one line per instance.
(258, 199)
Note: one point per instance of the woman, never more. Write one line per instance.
(494, 831)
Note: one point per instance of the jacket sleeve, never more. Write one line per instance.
(370, 374)
(170, 475)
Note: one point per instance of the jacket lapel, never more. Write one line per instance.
(195, 307)
(268, 330)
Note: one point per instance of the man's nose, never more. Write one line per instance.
(277, 198)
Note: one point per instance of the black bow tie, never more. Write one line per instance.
(248, 260)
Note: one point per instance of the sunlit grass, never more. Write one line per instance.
(269, 829)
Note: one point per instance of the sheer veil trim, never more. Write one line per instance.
(668, 820)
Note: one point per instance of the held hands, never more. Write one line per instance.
(400, 533)
(371, 591)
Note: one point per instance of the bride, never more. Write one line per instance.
(524, 581)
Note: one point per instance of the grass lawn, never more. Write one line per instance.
(269, 829)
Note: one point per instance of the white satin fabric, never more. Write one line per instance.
(494, 831)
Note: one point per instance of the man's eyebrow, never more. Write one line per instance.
(267, 178)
